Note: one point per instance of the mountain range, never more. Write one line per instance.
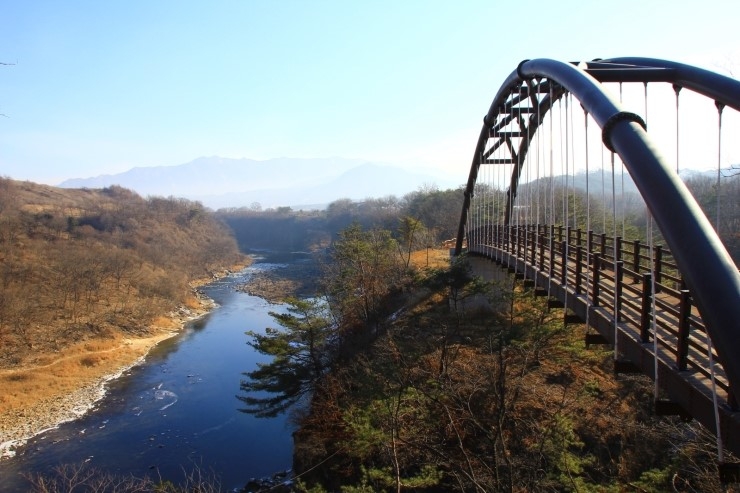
(299, 183)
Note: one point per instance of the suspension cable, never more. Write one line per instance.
(570, 168)
(720, 447)
(676, 89)
(653, 317)
(720, 107)
(614, 224)
(588, 221)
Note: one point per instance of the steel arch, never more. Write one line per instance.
(714, 281)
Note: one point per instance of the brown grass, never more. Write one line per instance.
(438, 258)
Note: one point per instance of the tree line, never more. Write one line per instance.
(437, 213)
(283, 228)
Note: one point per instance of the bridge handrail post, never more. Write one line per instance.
(579, 267)
(658, 266)
(618, 275)
(542, 252)
(551, 263)
(564, 262)
(569, 235)
(636, 261)
(618, 249)
(596, 284)
(603, 248)
(534, 236)
(560, 232)
(645, 314)
(590, 241)
(684, 326)
(519, 241)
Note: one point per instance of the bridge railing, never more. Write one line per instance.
(627, 277)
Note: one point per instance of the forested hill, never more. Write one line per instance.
(80, 263)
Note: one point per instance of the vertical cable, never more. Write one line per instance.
(566, 192)
(538, 219)
(677, 89)
(587, 291)
(614, 220)
(720, 107)
(654, 322)
(720, 447)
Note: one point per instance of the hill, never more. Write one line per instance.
(89, 280)
(80, 263)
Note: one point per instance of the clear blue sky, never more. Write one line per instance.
(102, 86)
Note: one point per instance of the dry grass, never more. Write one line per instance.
(39, 397)
(82, 363)
(433, 258)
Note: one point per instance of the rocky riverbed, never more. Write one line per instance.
(43, 396)
(299, 279)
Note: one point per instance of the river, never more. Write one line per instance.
(178, 410)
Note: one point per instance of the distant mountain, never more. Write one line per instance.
(221, 182)
(596, 181)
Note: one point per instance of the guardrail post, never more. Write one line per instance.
(534, 236)
(684, 325)
(564, 262)
(551, 245)
(658, 267)
(519, 242)
(569, 235)
(618, 274)
(596, 279)
(646, 315)
(579, 268)
(636, 261)
(603, 248)
(542, 252)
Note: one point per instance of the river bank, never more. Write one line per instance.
(57, 389)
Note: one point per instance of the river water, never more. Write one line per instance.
(178, 410)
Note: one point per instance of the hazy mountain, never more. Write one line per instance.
(221, 182)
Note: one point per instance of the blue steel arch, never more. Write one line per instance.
(705, 264)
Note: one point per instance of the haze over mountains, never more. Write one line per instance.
(309, 183)
(222, 182)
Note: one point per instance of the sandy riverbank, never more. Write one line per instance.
(37, 398)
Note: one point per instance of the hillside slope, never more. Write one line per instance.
(89, 281)
(76, 264)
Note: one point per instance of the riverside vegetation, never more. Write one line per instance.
(89, 281)
(407, 374)
(408, 377)
(428, 379)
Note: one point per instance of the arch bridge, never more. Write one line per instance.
(548, 198)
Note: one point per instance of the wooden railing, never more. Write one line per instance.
(615, 274)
